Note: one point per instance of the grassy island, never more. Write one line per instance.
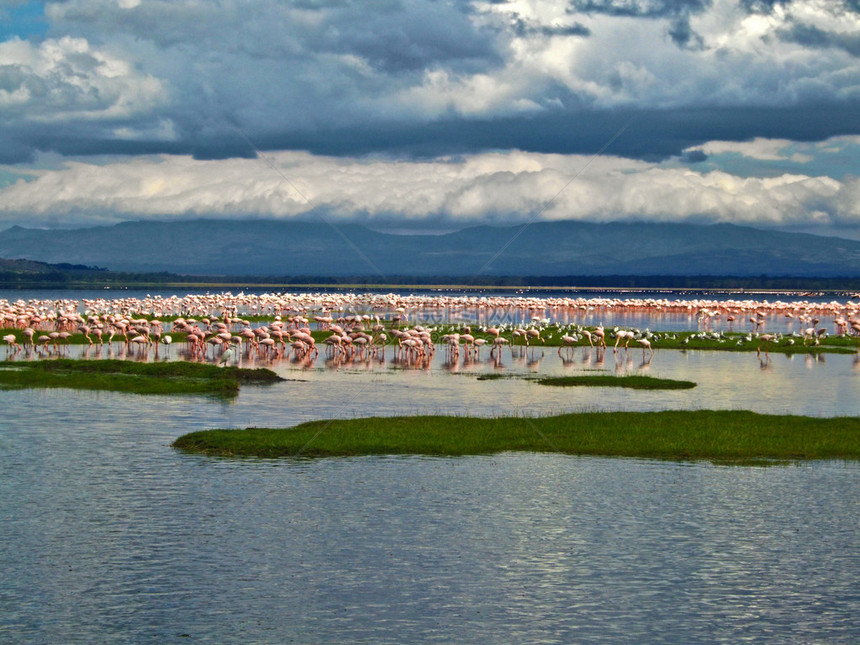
(177, 377)
(635, 382)
(721, 436)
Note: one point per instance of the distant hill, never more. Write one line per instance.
(272, 248)
(17, 273)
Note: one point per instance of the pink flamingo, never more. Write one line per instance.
(86, 331)
(534, 334)
(498, 342)
(767, 339)
(626, 336)
(566, 341)
(11, 341)
(479, 342)
(140, 341)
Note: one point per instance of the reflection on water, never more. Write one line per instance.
(110, 535)
(390, 384)
(107, 534)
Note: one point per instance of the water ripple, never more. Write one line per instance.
(107, 534)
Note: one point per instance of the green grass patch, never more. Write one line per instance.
(552, 335)
(127, 376)
(720, 436)
(608, 380)
(727, 342)
(736, 342)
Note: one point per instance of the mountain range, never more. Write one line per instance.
(300, 248)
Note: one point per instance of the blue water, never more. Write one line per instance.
(537, 292)
(107, 534)
(110, 535)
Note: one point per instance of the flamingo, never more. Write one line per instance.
(86, 331)
(519, 333)
(498, 342)
(534, 334)
(140, 340)
(626, 336)
(11, 341)
(479, 342)
(566, 341)
(767, 339)
(335, 343)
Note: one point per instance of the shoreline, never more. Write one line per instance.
(442, 287)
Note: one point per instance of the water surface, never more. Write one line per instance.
(109, 535)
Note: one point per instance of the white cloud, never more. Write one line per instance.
(62, 80)
(276, 65)
(502, 187)
(758, 148)
(205, 77)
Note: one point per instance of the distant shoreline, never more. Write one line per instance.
(799, 287)
(844, 292)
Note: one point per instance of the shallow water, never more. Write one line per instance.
(108, 534)
(812, 384)
(822, 385)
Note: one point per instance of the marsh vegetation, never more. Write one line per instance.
(723, 436)
(178, 377)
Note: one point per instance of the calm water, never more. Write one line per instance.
(109, 535)
(816, 385)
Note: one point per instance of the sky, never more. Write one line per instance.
(432, 115)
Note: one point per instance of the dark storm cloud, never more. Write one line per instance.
(13, 151)
(523, 28)
(413, 78)
(812, 36)
(677, 11)
(651, 135)
(255, 68)
(761, 6)
(767, 6)
(389, 35)
(433, 110)
(693, 156)
(683, 35)
(638, 8)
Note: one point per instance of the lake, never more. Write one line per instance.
(108, 534)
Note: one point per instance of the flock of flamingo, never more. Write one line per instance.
(361, 325)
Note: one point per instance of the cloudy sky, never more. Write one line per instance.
(432, 114)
